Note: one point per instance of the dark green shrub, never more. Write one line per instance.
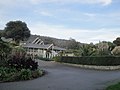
(12, 77)
(31, 64)
(22, 63)
(57, 58)
(100, 61)
(37, 73)
(5, 50)
(11, 74)
(7, 73)
(25, 74)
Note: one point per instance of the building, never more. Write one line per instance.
(35, 47)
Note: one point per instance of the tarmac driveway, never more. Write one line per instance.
(62, 77)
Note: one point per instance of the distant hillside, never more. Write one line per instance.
(68, 44)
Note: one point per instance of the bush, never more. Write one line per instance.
(7, 73)
(57, 58)
(25, 74)
(37, 73)
(99, 61)
(18, 51)
(22, 63)
(11, 74)
(13, 77)
(3, 62)
(5, 50)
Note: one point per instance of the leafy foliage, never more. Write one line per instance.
(100, 61)
(22, 63)
(17, 30)
(25, 74)
(116, 51)
(5, 50)
(57, 58)
(117, 41)
(6, 74)
(18, 51)
(37, 73)
(103, 49)
(87, 50)
(12, 74)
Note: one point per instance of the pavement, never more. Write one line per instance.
(63, 77)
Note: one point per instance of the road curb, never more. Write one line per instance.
(95, 67)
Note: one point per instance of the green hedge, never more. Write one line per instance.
(99, 61)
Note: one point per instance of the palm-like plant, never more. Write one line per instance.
(87, 50)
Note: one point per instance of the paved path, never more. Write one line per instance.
(61, 77)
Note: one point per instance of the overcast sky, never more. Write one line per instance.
(84, 20)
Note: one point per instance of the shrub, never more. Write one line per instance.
(100, 61)
(87, 50)
(7, 73)
(25, 74)
(11, 74)
(37, 73)
(22, 63)
(57, 58)
(5, 50)
(31, 64)
(18, 51)
(14, 77)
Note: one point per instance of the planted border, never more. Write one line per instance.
(12, 74)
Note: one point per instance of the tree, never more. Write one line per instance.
(117, 41)
(111, 46)
(17, 30)
(116, 51)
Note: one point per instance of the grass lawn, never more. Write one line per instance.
(114, 87)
